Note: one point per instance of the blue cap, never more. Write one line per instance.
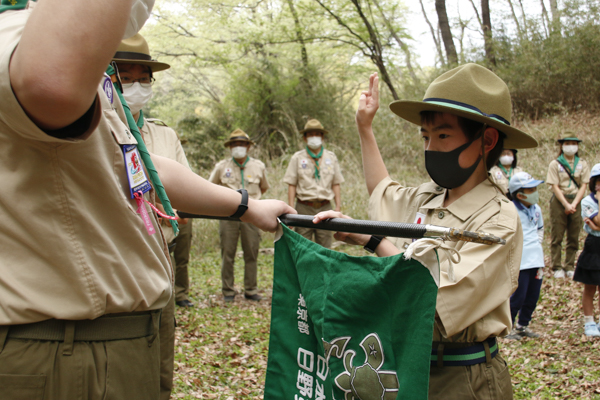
(595, 171)
(522, 180)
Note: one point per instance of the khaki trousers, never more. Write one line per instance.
(229, 232)
(78, 370)
(181, 253)
(489, 381)
(324, 238)
(561, 223)
(167, 349)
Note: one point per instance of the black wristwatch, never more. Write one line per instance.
(243, 205)
(373, 243)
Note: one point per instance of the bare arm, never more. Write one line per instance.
(291, 195)
(191, 193)
(373, 165)
(337, 195)
(76, 39)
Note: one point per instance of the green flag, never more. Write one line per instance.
(349, 328)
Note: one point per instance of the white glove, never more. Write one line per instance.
(140, 12)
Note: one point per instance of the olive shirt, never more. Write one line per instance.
(301, 173)
(476, 306)
(71, 243)
(227, 173)
(163, 141)
(558, 176)
(500, 178)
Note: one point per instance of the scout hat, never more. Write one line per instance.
(238, 136)
(470, 91)
(568, 136)
(135, 50)
(313, 125)
(522, 180)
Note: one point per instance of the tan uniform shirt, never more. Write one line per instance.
(500, 178)
(301, 173)
(71, 243)
(163, 141)
(228, 174)
(558, 176)
(476, 306)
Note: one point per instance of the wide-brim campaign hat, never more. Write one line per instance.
(135, 50)
(570, 136)
(238, 136)
(313, 125)
(470, 91)
(522, 180)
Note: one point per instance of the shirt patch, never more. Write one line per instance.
(228, 172)
(327, 161)
(303, 164)
(107, 86)
(419, 218)
(579, 166)
(561, 168)
(499, 175)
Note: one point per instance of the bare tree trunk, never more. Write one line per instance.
(512, 10)
(545, 19)
(433, 34)
(400, 42)
(440, 8)
(487, 31)
(555, 16)
(299, 36)
(525, 28)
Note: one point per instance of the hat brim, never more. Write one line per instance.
(411, 111)
(237, 139)
(155, 66)
(323, 131)
(532, 184)
(571, 139)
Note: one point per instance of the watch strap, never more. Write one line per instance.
(243, 205)
(373, 243)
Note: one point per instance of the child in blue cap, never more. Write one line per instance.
(524, 194)
(588, 264)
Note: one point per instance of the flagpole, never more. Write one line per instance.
(382, 228)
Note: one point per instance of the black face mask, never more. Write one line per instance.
(444, 169)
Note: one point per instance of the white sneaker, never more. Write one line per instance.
(570, 274)
(591, 329)
(559, 274)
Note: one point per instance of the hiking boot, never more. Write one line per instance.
(559, 274)
(253, 297)
(228, 299)
(591, 329)
(524, 331)
(570, 274)
(514, 335)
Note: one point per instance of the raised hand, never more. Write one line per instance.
(368, 103)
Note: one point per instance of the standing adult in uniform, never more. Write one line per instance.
(83, 276)
(240, 172)
(568, 177)
(136, 69)
(464, 120)
(505, 168)
(314, 177)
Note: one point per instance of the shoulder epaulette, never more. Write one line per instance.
(156, 121)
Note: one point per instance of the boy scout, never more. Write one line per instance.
(136, 68)
(82, 274)
(568, 177)
(240, 172)
(314, 178)
(464, 120)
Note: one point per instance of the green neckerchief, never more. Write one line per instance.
(140, 121)
(563, 161)
(6, 5)
(508, 173)
(241, 167)
(316, 158)
(133, 126)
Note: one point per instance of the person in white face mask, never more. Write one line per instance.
(238, 172)
(313, 177)
(505, 169)
(136, 67)
(567, 176)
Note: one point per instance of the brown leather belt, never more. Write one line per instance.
(314, 204)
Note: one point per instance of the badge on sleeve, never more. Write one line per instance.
(107, 86)
(138, 182)
(419, 219)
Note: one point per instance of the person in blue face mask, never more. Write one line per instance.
(525, 196)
